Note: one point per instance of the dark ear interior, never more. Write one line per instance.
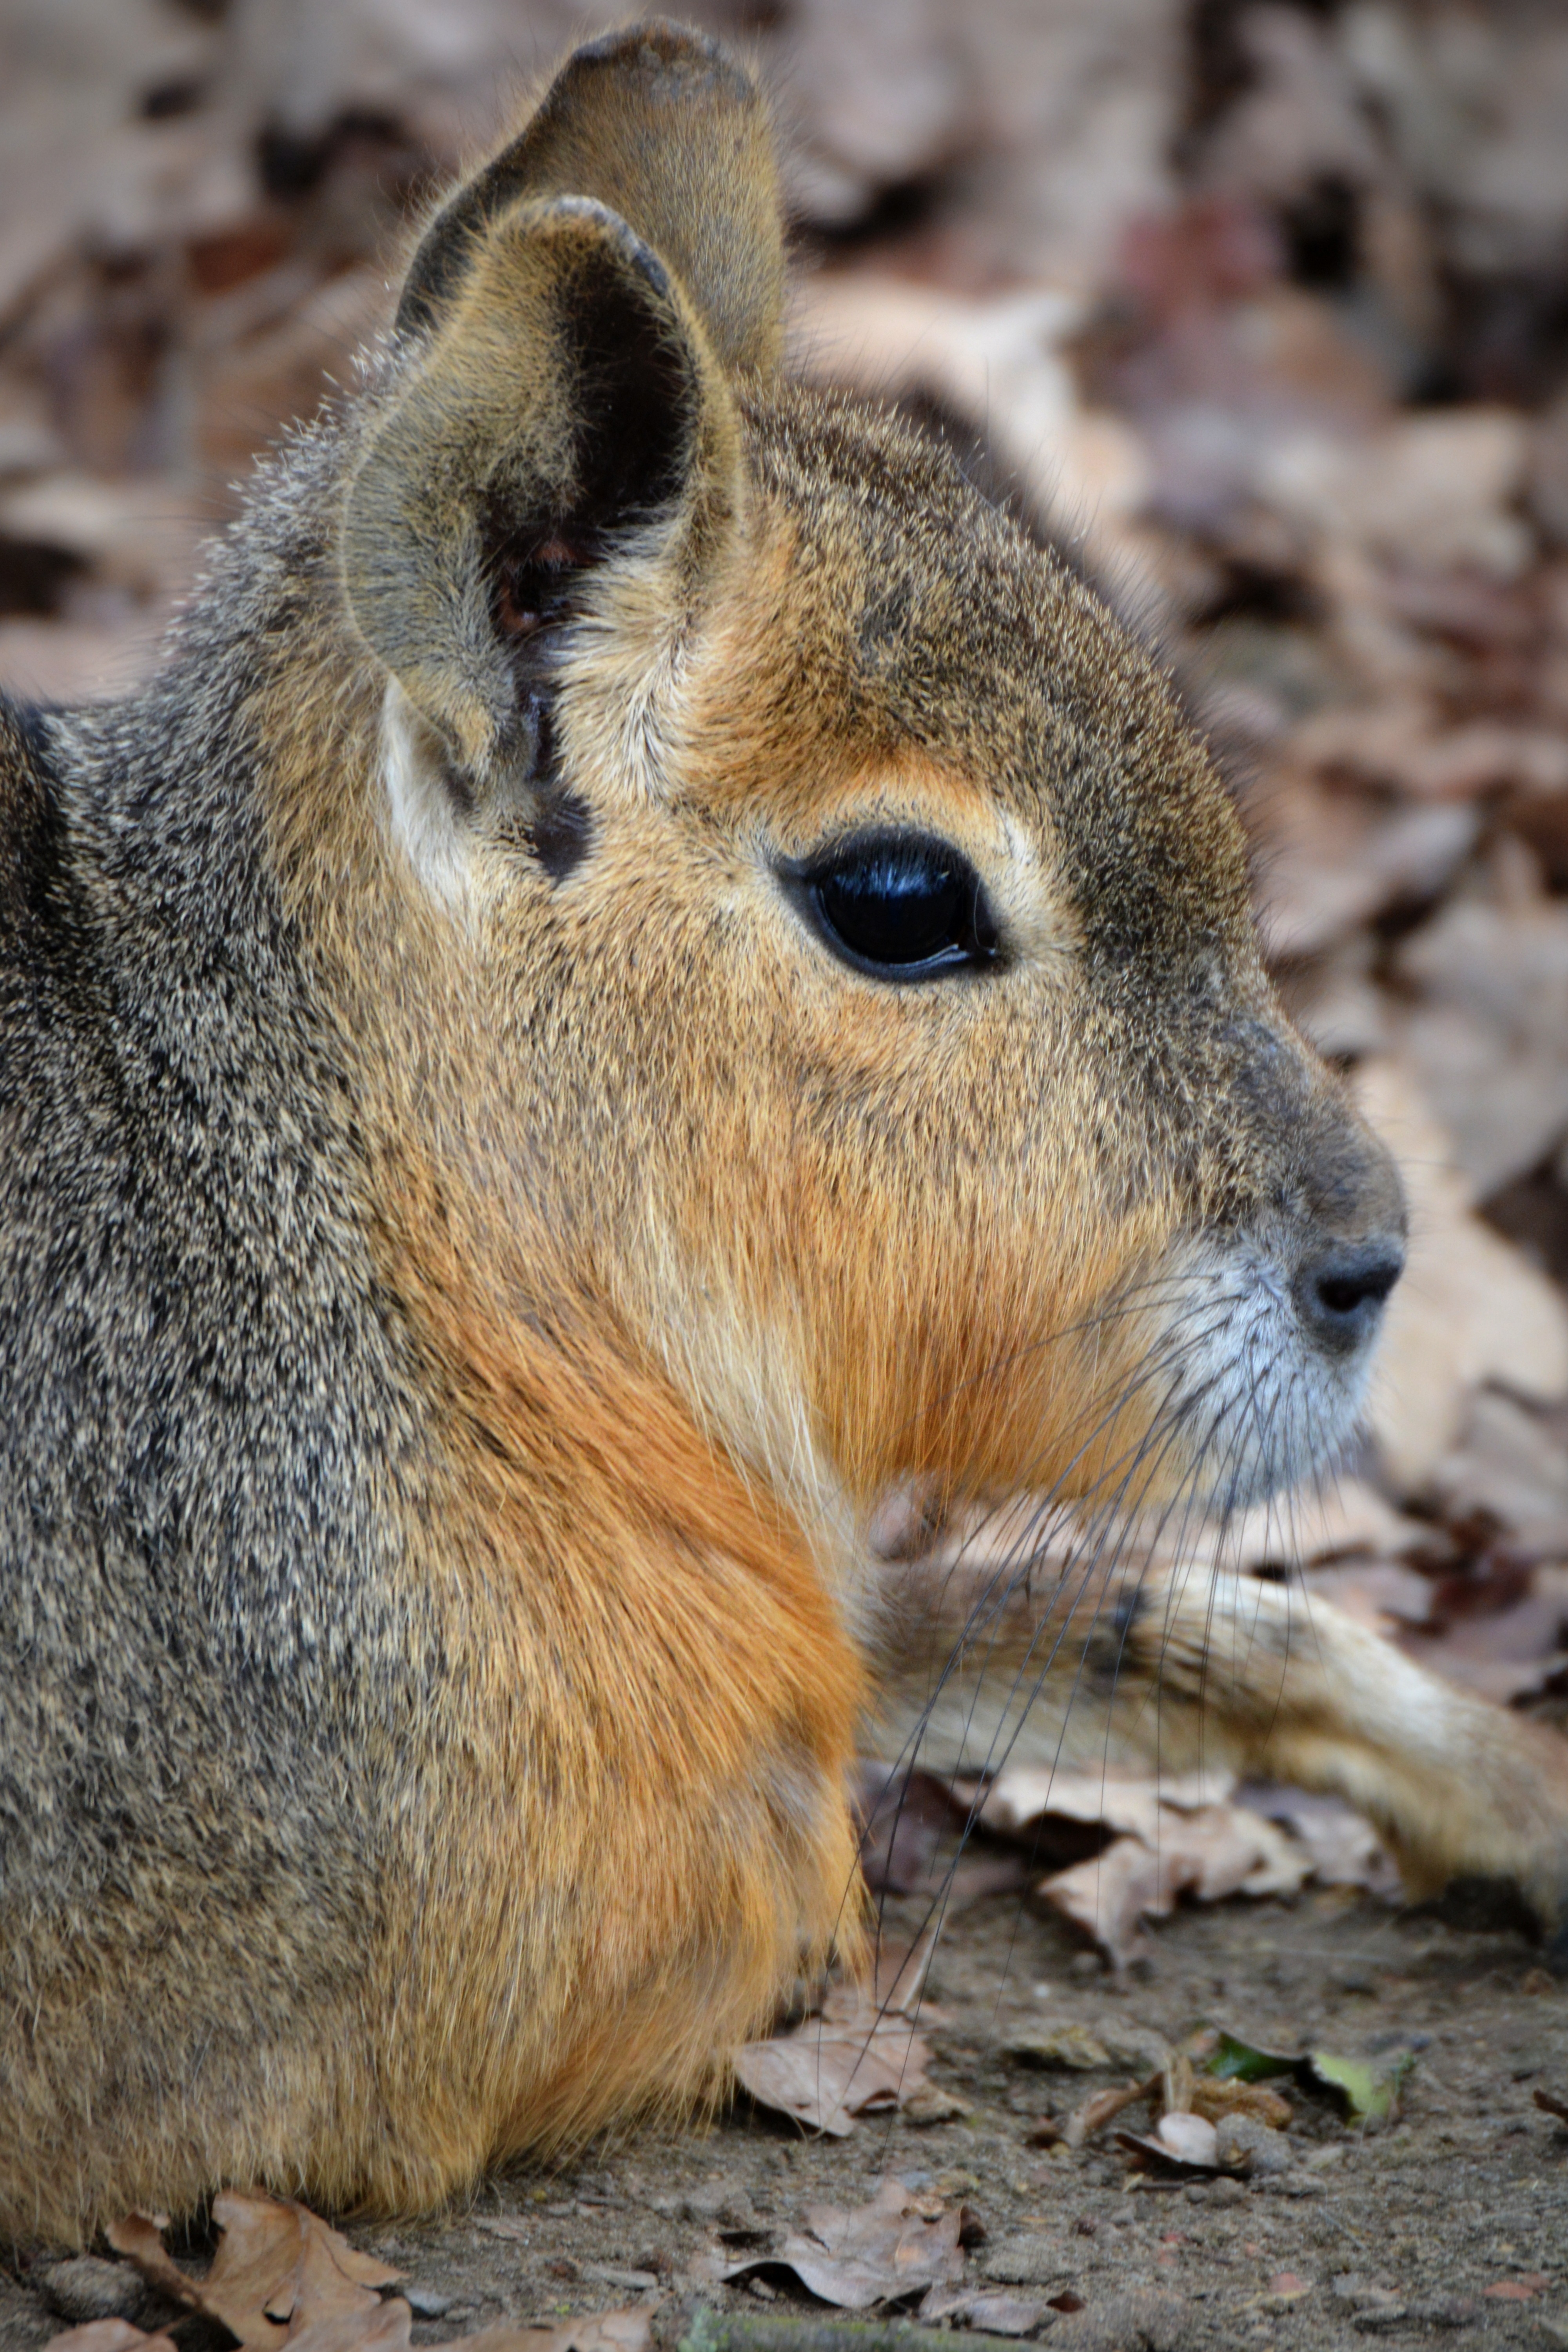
(633, 392)
(564, 406)
(660, 124)
(634, 406)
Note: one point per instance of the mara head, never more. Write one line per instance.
(795, 919)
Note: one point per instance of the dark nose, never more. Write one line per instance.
(1340, 1292)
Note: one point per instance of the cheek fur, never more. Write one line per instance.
(868, 1286)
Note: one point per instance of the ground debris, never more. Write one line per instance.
(898, 2245)
(279, 2269)
(283, 2276)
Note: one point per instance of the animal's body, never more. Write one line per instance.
(646, 970)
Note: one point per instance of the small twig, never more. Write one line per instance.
(1177, 2083)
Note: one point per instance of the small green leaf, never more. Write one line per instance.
(1234, 2061)
(1358, 2087)
(1365, 2087)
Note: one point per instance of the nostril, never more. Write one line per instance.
(1342, 1293)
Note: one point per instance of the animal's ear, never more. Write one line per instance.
(565, 410)
(568, 328)
(661, 125)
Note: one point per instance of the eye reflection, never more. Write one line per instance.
(898, 906)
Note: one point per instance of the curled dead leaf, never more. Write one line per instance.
(1343, 1844)
(887, 2250)
(825, 2074)
(1130, 1801)
(386, 2328)
(140, 2237)
(1103, 2108)
(279, 2270)
(1216, 2100)
(1221, 1850)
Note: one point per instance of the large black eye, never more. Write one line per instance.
(898, 905)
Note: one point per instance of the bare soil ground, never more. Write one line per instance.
(1451, 2223)
(1468, 2191)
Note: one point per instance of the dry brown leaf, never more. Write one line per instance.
(885, 2251)
(1220, 1851)
(828, 2072)
(141, 2237)
(1213, 2098)
(1470, 1308)
(109, 2336)
(1343, 1844)
(278, 2272)
(1103, 2108)
(1111, 1898)
(909, 1846)
(1021, 1797)
(387, 2327)
(989, 2311)
(897, 1987)
(859, 2055)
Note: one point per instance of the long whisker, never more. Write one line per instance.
(1007, 1580)
(1214, 1402)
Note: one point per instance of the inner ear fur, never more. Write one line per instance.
(565, 403)
(664, 127)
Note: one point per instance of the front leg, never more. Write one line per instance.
(979, 1664)
(1294, 1689)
